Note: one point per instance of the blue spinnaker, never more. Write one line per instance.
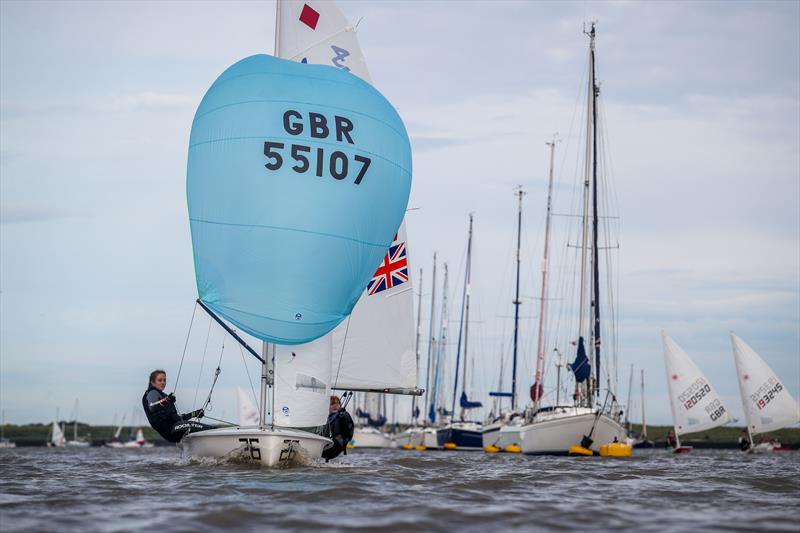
(298, 178)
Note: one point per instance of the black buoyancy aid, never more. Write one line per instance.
(161, 417)
(340, 429)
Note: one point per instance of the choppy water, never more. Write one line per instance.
(101, 489)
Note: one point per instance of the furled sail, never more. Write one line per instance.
(374, 348)
(767, 403)
(298, 179)
(695, 404)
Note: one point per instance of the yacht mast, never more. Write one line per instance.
(516, 302)
(419, 332)
(595, 90)
(432, 341)
(582, 332)
(464, 321)
(537, 382)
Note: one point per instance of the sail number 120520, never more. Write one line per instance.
(306, 158)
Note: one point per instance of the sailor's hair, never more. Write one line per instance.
(154, 374)
(335, 399)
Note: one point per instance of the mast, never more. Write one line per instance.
(586, 189)
(520, 194)
(628, 406)
(537, 382)
(75, 422)
(268, 359)
(463, 328)
(437, 371)
(416, 343)
(595, 90)
(432, 339)
(644, 420)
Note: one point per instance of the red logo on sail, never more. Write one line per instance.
(309, 16)
(392, 272)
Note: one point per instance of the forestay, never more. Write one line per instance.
(767, 403)
(298, 178)
(695, 404)
(374, 348)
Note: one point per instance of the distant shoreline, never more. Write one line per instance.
(35, 435)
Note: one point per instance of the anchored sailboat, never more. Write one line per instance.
(297, 184)
(462, 434)
(767, 403)
(695, 404)
(502, 434)
(592, 420)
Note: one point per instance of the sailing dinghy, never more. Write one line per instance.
(695, 404)
(767, 403)
(297, 183)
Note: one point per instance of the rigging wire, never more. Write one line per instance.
(185, 345)
(216, 376)
(341, 354)
(202, 364)
(252, 388)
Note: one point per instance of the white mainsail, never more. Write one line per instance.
(248, 413)
(57, 436)
(695, 404)
(374, 348)
(302, 383)
(767, 403)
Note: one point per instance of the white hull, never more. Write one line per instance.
(267, 447)
(552, 433)
(371, 438)
(501, 435)
(77, 444)
(429, 439)
(7, 444)
(410, 437)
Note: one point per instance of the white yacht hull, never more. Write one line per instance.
(429, 439)
(267, 447)
(501, 435)
(411, 437)
(370, 438)
(553, 433)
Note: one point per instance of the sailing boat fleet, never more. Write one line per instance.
(355, 332)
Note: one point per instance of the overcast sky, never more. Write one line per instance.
(702, 110)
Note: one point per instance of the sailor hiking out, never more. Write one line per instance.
(162, 414)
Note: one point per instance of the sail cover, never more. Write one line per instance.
(298, 179)
(695, 404)
(767, 403)
(374, 348)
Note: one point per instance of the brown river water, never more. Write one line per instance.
(100, 489)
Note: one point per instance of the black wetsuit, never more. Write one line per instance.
(340, 429)
(164, 418)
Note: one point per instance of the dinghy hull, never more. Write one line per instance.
(266, 447)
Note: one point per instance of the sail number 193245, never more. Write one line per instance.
(317, 159)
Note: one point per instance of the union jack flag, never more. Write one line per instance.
(393, 271)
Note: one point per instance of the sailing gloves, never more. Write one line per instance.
(171, 397)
